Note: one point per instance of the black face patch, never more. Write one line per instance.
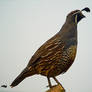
(79, 17)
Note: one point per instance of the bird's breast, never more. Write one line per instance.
(68, 57)
(71, 51)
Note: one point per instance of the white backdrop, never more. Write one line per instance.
(27, 24)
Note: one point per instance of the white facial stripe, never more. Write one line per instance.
(76, 12)
(76, 19)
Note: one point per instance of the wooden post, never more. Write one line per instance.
(56, 88)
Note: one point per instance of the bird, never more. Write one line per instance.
(57, 54)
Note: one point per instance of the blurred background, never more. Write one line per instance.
(25, 25)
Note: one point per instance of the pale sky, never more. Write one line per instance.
(25, 25)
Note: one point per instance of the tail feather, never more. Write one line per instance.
(25, 73)
(19, 79)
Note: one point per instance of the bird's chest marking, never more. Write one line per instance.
(69, 54)
(72, 52)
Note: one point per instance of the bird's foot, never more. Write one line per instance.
(49, 86)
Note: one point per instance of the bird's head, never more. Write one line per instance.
(77, 15)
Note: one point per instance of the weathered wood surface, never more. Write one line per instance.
(56, 88)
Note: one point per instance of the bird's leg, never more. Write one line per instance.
(58, 82)
(49, 82)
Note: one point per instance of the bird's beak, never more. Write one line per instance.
(83, 16)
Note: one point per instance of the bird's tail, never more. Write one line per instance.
(25, 73)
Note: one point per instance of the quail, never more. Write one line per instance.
(57, 54)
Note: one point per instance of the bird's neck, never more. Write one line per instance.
(69, 30)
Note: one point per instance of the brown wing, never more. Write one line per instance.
(47, 48)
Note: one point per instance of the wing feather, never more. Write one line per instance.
(48, 48)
